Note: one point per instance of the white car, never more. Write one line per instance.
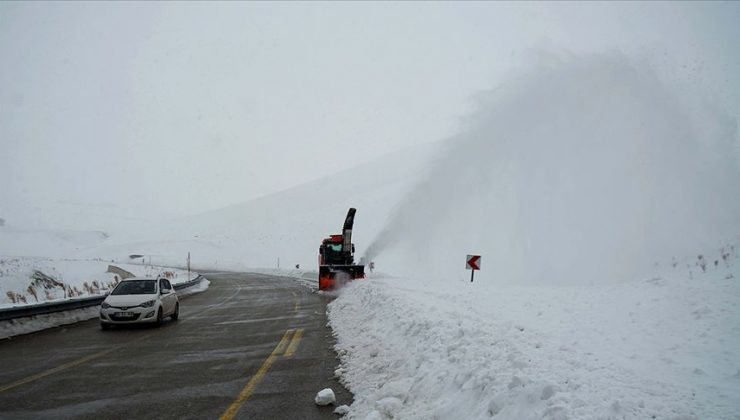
(139, 300)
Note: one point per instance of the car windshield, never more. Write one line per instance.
(135, 287)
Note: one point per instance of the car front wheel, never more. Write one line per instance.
(159, 317)
(176, 314)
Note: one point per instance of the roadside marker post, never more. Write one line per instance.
(472, 263)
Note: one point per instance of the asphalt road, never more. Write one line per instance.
(250, 347)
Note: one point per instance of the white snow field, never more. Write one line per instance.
(667, 347)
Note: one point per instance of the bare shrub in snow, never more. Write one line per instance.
(16, 297)
(32, 292)
(702, 263)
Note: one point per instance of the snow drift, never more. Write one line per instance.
(665, 348)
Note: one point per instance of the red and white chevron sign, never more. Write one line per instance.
(473, 262)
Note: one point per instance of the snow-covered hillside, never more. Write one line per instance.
(288, 225)
(29, 280)
(46, 243)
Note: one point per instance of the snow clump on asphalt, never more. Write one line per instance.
(341, 410)
(325, 397)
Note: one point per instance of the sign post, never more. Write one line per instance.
(472, 263)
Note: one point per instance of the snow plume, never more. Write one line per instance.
(585, 168)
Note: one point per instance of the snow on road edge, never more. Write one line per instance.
(32, 324)
(408, 352)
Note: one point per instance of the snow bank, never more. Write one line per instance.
(201, 286)
(28, 325)
(667, 347)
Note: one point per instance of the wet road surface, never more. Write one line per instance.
(250, 347)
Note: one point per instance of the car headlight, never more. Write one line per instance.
(105, 305)
(148, 304)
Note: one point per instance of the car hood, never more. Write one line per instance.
(128, 300)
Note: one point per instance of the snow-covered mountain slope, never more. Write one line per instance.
(48, 243)
(288, 225)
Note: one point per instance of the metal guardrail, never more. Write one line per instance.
(70, 304)
(185, 285)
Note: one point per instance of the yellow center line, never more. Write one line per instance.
(55, 370)
(252, 384)
(294, 343)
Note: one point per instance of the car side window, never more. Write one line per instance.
(162, 286)
(167, 284)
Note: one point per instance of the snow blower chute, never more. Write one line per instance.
(336, 258)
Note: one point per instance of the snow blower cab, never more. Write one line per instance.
(336, 258)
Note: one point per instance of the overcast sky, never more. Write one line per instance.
(115, 110)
